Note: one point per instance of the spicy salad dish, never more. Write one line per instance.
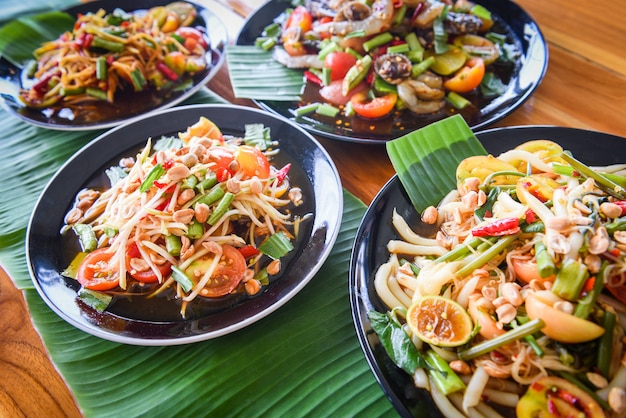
(382, 68)
(509, 299)
(111, 62)
(197, 233)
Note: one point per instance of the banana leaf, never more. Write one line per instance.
(21, 36)
(254, 74)
(426, 159)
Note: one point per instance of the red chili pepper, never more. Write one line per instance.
(398, 3)
(500, 227)
(41, 86)
(418, 10)
(282, 173)
(110, 59)
(530, 216)
(222, 175)
(313, 78)
(167, 71)
(168, 164)
(248, 251)
(588, 286)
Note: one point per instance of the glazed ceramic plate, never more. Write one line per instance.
(370, 248)
(149, 321)
(522, 81)
(127, 106)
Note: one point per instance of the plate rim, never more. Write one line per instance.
(368, 341)
(218, 49)
(539, 38)
(332, 230)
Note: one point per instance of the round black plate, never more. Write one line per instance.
(370, 248)
(49, 253)
(510, 19)
(131, 105)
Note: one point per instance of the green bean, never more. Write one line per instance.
(221, 208)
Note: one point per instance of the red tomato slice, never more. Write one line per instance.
(468, 77)
(192, 37)
(339, 63)
(146, 276)
(526, 271)
(373, 108)
(301, 18)
(95, 273)
(252, 162)
(227, 275)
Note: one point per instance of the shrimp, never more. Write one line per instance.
(423, 94)
(356, 16)
(299, 61)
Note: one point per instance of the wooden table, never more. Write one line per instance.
(584, 88)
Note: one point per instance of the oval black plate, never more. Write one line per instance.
(528, 74)
(127, 106)
(48, 252)
(370, 248)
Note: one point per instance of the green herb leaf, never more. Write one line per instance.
(257, 135)
(397, 343)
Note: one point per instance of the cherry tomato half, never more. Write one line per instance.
(192, 37)
(373, 108)
(301, 18)
(467, 78)
(527, 270)
(95, 273)
(227, 275)
(146, 276)
(252, 162)
(339, 63)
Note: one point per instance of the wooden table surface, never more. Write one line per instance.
(584, 88)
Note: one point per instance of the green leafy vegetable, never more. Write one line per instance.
(397, 343)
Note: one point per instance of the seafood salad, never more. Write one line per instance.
(517, 304)
(193, 219)
(378, 58)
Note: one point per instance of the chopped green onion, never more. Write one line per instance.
(398, 49)
(444, 377)
(96, 300)
(101, 68)
(326, 109)
(139, 81)
(97, 93)
(154, 174)
(508, 337)
(173, 244)
(570, 279)
(182, 279)
(112, 46)
(457, 101)
(194, 230)
(221, 208)
(72, 91)
(422, 66)
(378, 40)
(86, 237)
(306, 109)
(276, 246)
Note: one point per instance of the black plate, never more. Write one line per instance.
(127, 106)
(48, 253)
(370, 248)
(510, 19)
